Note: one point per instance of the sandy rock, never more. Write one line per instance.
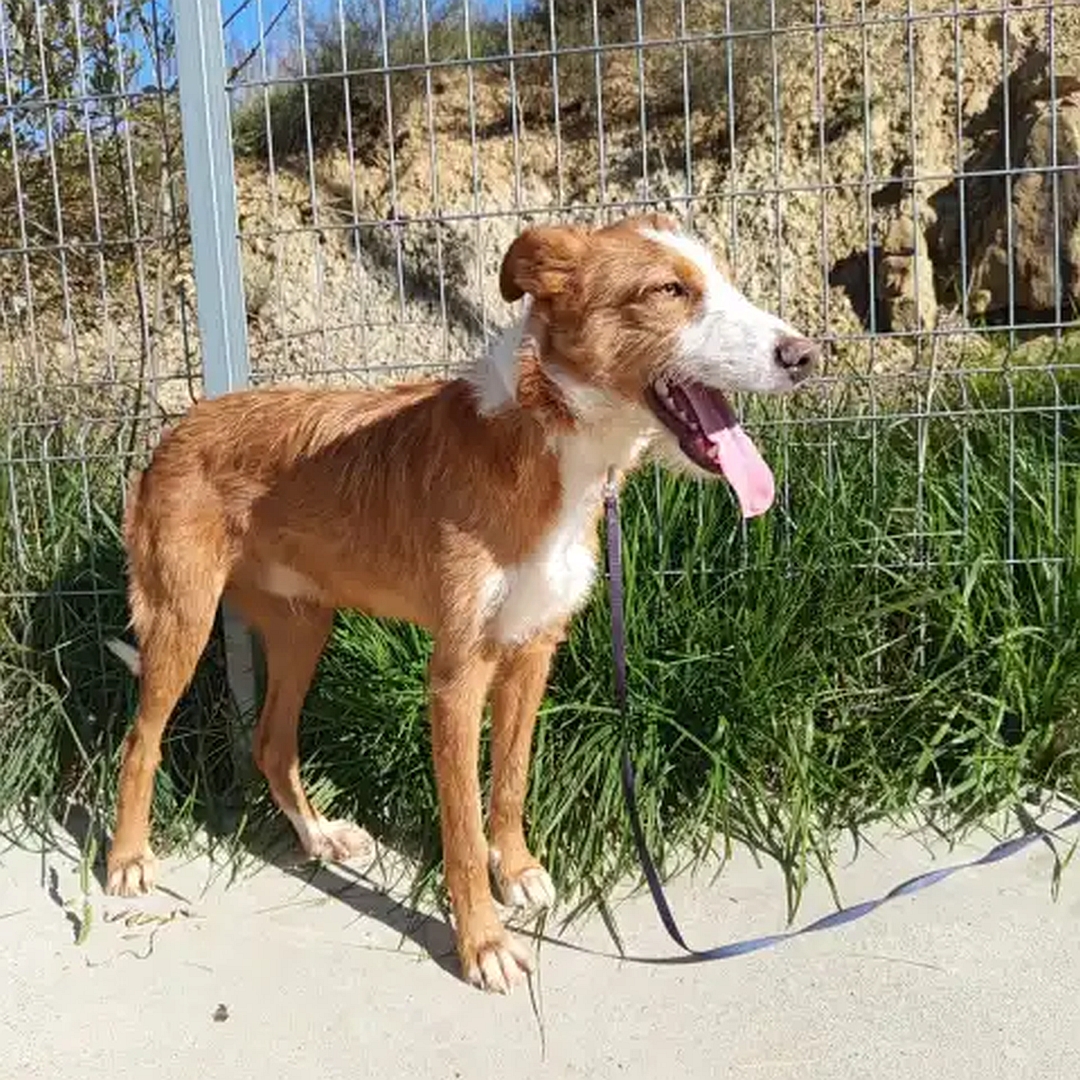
(369, 266)
(1018, 259)
(905, 278)
(1044, 265)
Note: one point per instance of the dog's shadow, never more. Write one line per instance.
(62, 632)
(373, 892)
(344, 884)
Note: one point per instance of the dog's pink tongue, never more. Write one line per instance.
(743, 466)
(745, 469)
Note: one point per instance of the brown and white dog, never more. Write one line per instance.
(468, 506)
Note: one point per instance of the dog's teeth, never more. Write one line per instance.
(662, 389)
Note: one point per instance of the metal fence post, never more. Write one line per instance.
(219, 289)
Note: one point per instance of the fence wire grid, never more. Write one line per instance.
(899, 178)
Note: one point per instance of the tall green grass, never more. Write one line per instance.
(906, 637)
(65, 702)
(901, 635)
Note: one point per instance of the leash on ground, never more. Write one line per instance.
(1033, 830)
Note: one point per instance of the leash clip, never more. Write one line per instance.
(611, 486)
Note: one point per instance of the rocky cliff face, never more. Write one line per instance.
(1022, 243)
(845, 208)
(852, 171)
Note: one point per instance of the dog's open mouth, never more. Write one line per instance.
(703, 421)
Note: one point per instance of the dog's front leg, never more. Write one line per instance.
(516, 695)
(490, 957)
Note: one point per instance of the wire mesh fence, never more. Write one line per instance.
(95, 316)
(900, 178)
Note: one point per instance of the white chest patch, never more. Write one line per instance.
(554, 582)
(547, 588)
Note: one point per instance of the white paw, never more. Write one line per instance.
(131, 875)
(499, 964)
(335, 841)
(532, 888)
(332, 841)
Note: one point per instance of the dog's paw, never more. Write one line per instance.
(497, 962)
(531, 888)
(131, 875)
(337, 841)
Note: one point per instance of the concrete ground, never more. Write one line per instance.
(283, 974)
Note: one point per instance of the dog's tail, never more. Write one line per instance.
(127, 654)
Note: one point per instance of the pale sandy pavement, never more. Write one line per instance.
(977, 977)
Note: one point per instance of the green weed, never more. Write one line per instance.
(899, 636)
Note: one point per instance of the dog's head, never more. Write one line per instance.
(638, 315)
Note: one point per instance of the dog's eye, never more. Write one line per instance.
(672, 288)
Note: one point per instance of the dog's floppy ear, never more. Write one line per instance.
(541, 261)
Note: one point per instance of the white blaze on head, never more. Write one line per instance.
(732, 343)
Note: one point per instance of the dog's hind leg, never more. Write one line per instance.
(293, 634)
(518, 689)
(173, 618)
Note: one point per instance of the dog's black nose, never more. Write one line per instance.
(797, 355)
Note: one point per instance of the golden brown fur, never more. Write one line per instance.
(415, 502)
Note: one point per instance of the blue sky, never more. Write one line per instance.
(244, 14)
(243, 19)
